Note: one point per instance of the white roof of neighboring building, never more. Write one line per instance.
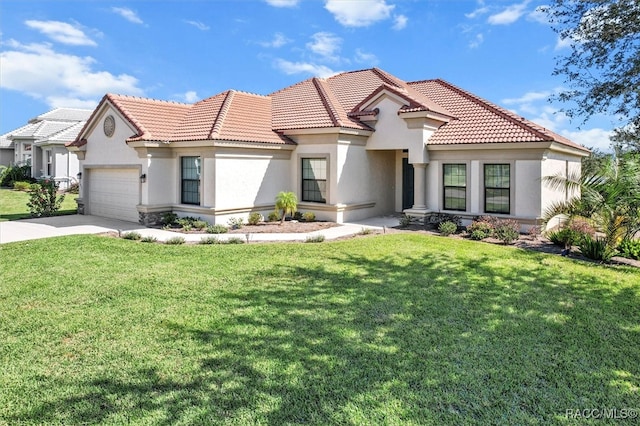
(59, 125)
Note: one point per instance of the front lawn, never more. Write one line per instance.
(395, 329)
(13, 204)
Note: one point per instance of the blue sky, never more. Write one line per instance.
(70, 53)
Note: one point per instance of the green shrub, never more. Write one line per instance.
(437, 218)
(209, 240)
(175, 241)
(315, 238)
(405, 220)
(365, 231)
(149, 239)
(596, 248)
(255, 218)
(273, 216)
(630, 248)
(234, 240)
(236, 223)
(447, 228)
(297, 216)
(561, 237)
(22, 186)
(309, 216)
(216, 229)
(133, 235)
(482, 227)
(169, 218)
(44, 199)
(507, 231)
(15, 174)
(571, 233)
(199, 224)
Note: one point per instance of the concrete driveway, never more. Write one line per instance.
(31, 229)
(45, 227)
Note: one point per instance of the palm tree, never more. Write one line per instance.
(287, 202)
(607, 192)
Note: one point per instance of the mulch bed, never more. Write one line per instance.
(289, 226)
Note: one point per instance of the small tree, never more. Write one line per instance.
(287, 202)
(44, 199)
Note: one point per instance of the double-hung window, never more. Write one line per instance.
(314, 180)
(190, 180)
(455, 187)
(497, 188)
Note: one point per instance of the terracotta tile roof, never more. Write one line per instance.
(310, 104)
(339, 101)
(154, 120)
(480, 121)
(336, 101)
(231, 116)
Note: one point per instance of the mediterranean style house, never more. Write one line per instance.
(40, 144)
(355, 145)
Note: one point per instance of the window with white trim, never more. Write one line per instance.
(455, 186)
(314, 180)
(190, 180)
(497, 188)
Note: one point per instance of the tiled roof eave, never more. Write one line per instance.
(522, 144)
(136, 142)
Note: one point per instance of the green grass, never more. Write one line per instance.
(396, 329)
(13, 204)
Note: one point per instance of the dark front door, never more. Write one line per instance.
(407, 184)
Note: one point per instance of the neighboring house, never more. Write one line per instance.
(6, 151)
(41, 144)
(356, 145)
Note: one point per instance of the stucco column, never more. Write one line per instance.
(419, 186)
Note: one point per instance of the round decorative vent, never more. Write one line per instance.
(109, 125)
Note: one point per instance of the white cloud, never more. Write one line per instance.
(400, 22)
(291, 68)
(592, 138)
(199, 25)
(283, 3)
(481, 10)
(538, 15)
(366, 58)
(565, 43)
(326, 45)
(534, 105)
(527, 98)
(359, 13)
(477, 41)
(61, 32)
(127, 14)
(510, 15)
(57, 78)
(189, 97)
(278, 40)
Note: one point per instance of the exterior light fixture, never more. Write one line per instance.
(143, 178)
(79, 175)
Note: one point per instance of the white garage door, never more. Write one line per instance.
(114, 193)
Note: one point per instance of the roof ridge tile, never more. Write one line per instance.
(328, 104)
(216, 129)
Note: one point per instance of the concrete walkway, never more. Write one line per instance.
(31, 229)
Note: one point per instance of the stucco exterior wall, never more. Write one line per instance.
(110, 150)
(6, 156)
(244, 179)
(526, 169)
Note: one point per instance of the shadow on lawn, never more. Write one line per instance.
(391, 340)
